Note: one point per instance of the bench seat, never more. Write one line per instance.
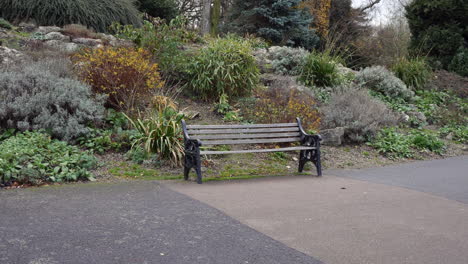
(198, 136)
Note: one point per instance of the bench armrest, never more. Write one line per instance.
(307, 139)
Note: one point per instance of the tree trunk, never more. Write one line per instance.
(205, 19)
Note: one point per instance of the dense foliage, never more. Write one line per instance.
(282, 60)
(224, 66)
(355, 110)
(164, 41)
(438, 28)
(277, 21)
(98, 15)
(34, 97)
(166, 9)
(403, 145)
(278, 105)
(320, 69)
(34, 158)
(126, 75)
(415, 73)
(381, 80)
(459, 63)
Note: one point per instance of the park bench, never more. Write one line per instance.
(214, 135)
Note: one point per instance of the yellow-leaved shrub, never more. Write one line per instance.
(126, 75)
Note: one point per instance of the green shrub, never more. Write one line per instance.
(161, 134)
(355, 110)
(415, 73)
(34, 158)
(277, 21)
(321, 69)
(438, 28)
(5, 24)
(380, 80)
(33, 98)
(225, 66)
(282, 60)
(98, 15)
(395, 145)
(165, 41)
(459, 63)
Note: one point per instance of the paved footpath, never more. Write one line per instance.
(417, 217)
(405, 214)
(127, 223)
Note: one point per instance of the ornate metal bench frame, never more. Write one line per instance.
(196, 136)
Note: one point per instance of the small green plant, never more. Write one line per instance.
(393, 144)
(458, 133)
(223, 106)
(161, 134)
(321, 69)
(232, 116)
(35, 158)
(5, 24)
(399, 145)
(139, 155)
(426, 141)
(415, 73)
(224, 66)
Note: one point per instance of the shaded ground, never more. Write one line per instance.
(126, 223)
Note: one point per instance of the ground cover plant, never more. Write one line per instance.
(35, 158)
(98, 15)
(403, 145)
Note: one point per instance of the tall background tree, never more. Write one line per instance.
(440, 29)
(166, 9)
(278, 21)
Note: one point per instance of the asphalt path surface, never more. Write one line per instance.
(446, 177)
(141, 222)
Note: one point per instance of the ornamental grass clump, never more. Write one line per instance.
(225, 66)
(321, 70)
(415, 73)
(161, 134)
(126, 75)
(98, 15)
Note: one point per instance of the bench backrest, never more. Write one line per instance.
(244, 134)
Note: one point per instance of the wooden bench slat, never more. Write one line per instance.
(220, 152)
(239, 131)
(247, 136)
(189, 127)
(250, 141)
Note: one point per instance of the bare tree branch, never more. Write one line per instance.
(370, 5)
